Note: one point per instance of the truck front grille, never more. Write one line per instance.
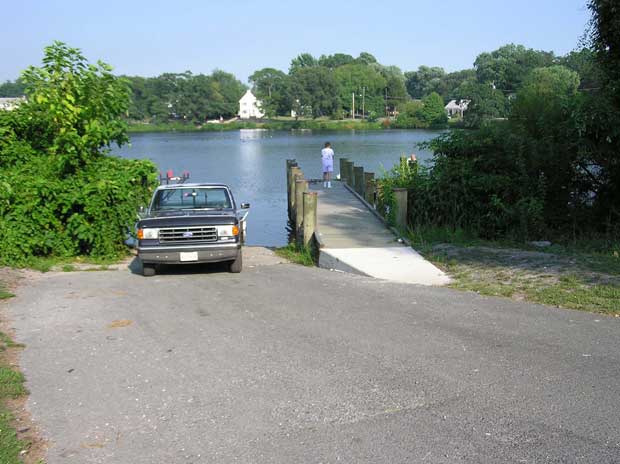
(188, 234)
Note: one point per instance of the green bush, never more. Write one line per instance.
(60, 192)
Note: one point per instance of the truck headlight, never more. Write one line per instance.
(148, 234)
(224, 232)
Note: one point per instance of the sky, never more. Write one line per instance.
(148, 38)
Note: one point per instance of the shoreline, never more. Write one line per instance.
(325, 125)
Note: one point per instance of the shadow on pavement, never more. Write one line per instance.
(135, 267)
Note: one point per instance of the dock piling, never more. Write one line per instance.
(348, 169)
(297, 175)
(400, 195)
(301, 186)
(309, 216)
(358, 176)
(343, 174)
(290, 163)
(369, 187)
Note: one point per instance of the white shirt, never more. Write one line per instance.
(327, 154)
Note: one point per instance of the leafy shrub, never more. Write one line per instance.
(60, 192)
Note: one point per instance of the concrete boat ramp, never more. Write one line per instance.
(353, 239)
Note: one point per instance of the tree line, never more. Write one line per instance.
(342, 86)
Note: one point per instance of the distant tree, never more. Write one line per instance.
(305, 60)
(366, 58)
(544, 98)
(485, 103)
(12, 89)
(360, 80)
(272, 87)
(584, 63)
(335, 60)
(315, 91)
(408, 115)
(433, 111)
(452, 81)
(424, 81)
(508, 66)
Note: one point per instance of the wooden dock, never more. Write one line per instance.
(353, 239)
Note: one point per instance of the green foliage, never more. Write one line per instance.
(485, 103)
(272, 87)
(508, 66)
(315, 91)
(433, 112)
(11, 386)
(78, 104)
(351, 79)
(408, 116)
(185, 97)
(424, 81)
(305, 60)
(60, 194)
(297, 254)
(12, 89)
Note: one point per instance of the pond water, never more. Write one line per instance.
(252, 162)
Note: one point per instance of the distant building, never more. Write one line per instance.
(250, 107)
(8, 104)
(457, 107)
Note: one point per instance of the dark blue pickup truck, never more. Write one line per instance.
(191, 223)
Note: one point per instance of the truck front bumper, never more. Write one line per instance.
(211, 253)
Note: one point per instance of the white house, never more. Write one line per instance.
(8, 104)
(250, 107)
(457, 107)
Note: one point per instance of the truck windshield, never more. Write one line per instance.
(191, 198)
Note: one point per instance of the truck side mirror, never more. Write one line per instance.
(141, 212)
(245, 206)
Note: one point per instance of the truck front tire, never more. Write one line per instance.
(148, 270)
(236, 265)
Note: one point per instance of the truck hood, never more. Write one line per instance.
(188, 218)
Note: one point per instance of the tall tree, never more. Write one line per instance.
(423, 81)
(508, 66)
(363, 81)
(335, 60)
(272, 87)
(305, 60)
(315, 91)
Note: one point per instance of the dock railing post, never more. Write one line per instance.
(309, 220)
(343, 174)
(296, 174)
(369, 187)
(358, 174)
(301, 186)
(349, 172)
(290, 163)
(400, 204)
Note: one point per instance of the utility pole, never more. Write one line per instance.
(363, 101)
(386, 104)
(353, 105)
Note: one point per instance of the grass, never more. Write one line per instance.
(568, 276)
(297, 254)
(67, 264)
(4, 294)
(275, 124)
(11, 387)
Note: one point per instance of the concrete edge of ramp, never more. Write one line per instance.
(397, 264)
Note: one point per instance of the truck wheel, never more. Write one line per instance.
(236, 265)
(148, 270)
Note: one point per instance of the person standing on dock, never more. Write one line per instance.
(327, 159)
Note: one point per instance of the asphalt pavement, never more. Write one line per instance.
(287, 364)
